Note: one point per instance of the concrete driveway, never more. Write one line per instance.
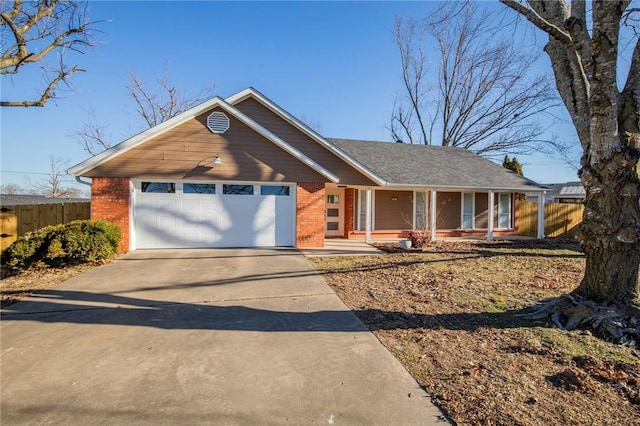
(242, 336)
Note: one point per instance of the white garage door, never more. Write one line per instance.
(213, 214)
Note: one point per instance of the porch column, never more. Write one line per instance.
(432, 214)
(491, 216)
(540, 215)
(367, 221)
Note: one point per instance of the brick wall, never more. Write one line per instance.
(310, 221)
(110, 201)
(349, 210)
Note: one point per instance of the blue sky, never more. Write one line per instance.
(334, 63)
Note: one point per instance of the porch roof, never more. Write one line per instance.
(434, 167)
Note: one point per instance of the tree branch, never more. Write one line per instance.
(38, 29)
(48, 92)
(537, 20)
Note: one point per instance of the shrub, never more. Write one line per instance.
(75, 242)
(419, 239)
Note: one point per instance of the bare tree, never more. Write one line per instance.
(34, 31)
(584, 49)
(153, 105)
(166, 101)
(92, 137)
(11, 189)
(56, 183)
(483, 98)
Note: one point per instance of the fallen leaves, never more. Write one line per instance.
(454, 310)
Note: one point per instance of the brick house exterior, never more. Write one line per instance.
(241, 171)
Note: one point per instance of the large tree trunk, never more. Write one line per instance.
(610, 232)
(607, 122)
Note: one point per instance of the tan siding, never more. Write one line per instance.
(482, 210)
(390, 214)
(187, 151)
(448, 209)
(311, 148)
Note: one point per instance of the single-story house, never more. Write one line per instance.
(243, 172)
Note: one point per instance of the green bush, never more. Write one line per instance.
(76, 242)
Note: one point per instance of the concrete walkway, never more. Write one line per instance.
(342, 247)
(200, 337)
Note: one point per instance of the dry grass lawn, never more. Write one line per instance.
(452, 314)
(14, 288)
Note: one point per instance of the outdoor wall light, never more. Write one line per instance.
(217, 160)
(394, 198)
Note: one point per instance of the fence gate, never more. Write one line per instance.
(8, 227)
(561, 220)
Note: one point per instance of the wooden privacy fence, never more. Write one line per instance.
(561, 220)
(20, 219)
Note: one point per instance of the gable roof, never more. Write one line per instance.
(251, 92)
(386, 164)
(214, 102)
(435, 167)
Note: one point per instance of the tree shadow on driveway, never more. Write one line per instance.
(77, 307)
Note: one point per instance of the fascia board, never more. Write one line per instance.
(277, 141)
(251, 92)
(465, 188)
(140, 138)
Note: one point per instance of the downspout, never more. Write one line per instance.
(84, 182)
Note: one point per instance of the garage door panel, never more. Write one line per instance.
(213, 220)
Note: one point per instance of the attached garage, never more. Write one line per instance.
(243, 172)
(179, 214)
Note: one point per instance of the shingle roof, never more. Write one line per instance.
(433, 166)
(22, 199)
(572, 189)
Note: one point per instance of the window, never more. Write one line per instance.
(274, 190)
(467, 210)
(333, 199)
(333, 226)
(333, 212)
(159, 187)
(237, 189)
(504, 211)
(199, 188)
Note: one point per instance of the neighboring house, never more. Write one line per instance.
(568, 192)
(242, 171)
(21, 213)
(24, 199)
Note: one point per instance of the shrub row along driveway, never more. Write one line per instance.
(200, 336)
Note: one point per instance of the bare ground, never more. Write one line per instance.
(452, 314)
(15, 287)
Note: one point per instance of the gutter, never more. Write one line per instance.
(84, 182)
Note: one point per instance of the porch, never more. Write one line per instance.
(369, 214)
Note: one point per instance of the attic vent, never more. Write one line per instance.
(218, 122)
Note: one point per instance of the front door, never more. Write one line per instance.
(334, 212)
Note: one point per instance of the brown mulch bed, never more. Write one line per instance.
(452, 314)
